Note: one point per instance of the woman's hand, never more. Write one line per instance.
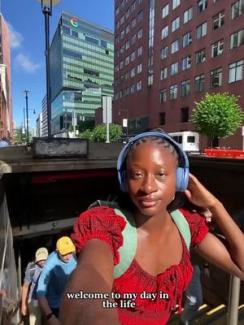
(197, 194)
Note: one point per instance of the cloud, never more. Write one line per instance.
(16, 38)
(24, 62)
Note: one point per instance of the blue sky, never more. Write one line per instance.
(26, 23)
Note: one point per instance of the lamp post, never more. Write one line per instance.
(46, 6)
(125, 121)
(27, 116)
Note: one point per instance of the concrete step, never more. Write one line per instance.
(175, 319)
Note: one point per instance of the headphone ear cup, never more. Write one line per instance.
(182, 177)
(122, 180)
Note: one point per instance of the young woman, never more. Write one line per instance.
(151, 166)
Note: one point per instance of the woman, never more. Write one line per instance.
(151, 166)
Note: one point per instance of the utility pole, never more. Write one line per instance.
(27, 116)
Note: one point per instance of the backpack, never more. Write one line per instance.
(128, 250)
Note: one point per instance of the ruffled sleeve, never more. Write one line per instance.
(99, 223)
(198, 226)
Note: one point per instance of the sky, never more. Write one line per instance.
(26, 23)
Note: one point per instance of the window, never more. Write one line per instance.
(133, 72)
(175, 4)
(140, 33)
(200, 56)
(127, 60)
(216, 78)
(163, 73)
(139, 68)
(139, 85)
(139, 51)
(174, 68)
(187, 15)
(199, 82)
(185, 87)
(237, 9)
(165, 11)
(139, 17)
(132, 88)
(133, 56)
(202, 5)
(163, 96)
(186, 40)
(236, 71)
(175, 24)
(218, 20)
(173, 92)
(133, 23)
(164, 52)
(165, 32)
(175, 46)
(186, 63)
(184, 114)
(202, 30)
(162, 118)
(217, 48)
(237, 39)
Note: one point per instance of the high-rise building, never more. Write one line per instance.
(169, 53)
(82, 68)
(6, 114)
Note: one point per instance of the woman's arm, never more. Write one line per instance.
(94, 274)
(230, 259)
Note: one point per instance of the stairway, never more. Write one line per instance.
(208, 315)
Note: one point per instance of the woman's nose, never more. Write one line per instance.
(148, 185)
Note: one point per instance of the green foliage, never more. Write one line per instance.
(98, 134)
(87, 134)
(217, 115)
(20, 138)
(115, 133)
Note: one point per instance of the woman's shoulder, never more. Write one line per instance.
(197, 224)
(101, 223)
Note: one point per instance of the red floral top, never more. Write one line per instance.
(102, 223)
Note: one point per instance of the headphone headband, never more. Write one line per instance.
(182, 179)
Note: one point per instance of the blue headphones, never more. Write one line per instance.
(182, 172)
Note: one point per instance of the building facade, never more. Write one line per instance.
(169, 54)
(6, 114)
(81, 66)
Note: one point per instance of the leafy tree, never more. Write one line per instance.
(98, 134)
(217, 115)
(115, 133)
(87, 134)
(20, 137)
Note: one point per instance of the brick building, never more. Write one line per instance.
(169, 53)
(6, 114)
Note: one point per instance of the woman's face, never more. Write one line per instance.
(151, 177)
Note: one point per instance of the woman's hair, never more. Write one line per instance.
(160, 141)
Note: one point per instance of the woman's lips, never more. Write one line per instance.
(147, 203)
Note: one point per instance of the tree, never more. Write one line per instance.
(87, 134)
(217, 115)
(98, 134)
(115, 133)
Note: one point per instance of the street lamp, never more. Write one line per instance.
(125, 121)
(26, 114)
(46, 6)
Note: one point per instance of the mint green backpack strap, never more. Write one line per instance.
(127, 251)
(183, 226)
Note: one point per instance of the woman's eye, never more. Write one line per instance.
(161, 174)
(136, 175)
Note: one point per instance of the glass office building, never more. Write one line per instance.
(81, 68)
